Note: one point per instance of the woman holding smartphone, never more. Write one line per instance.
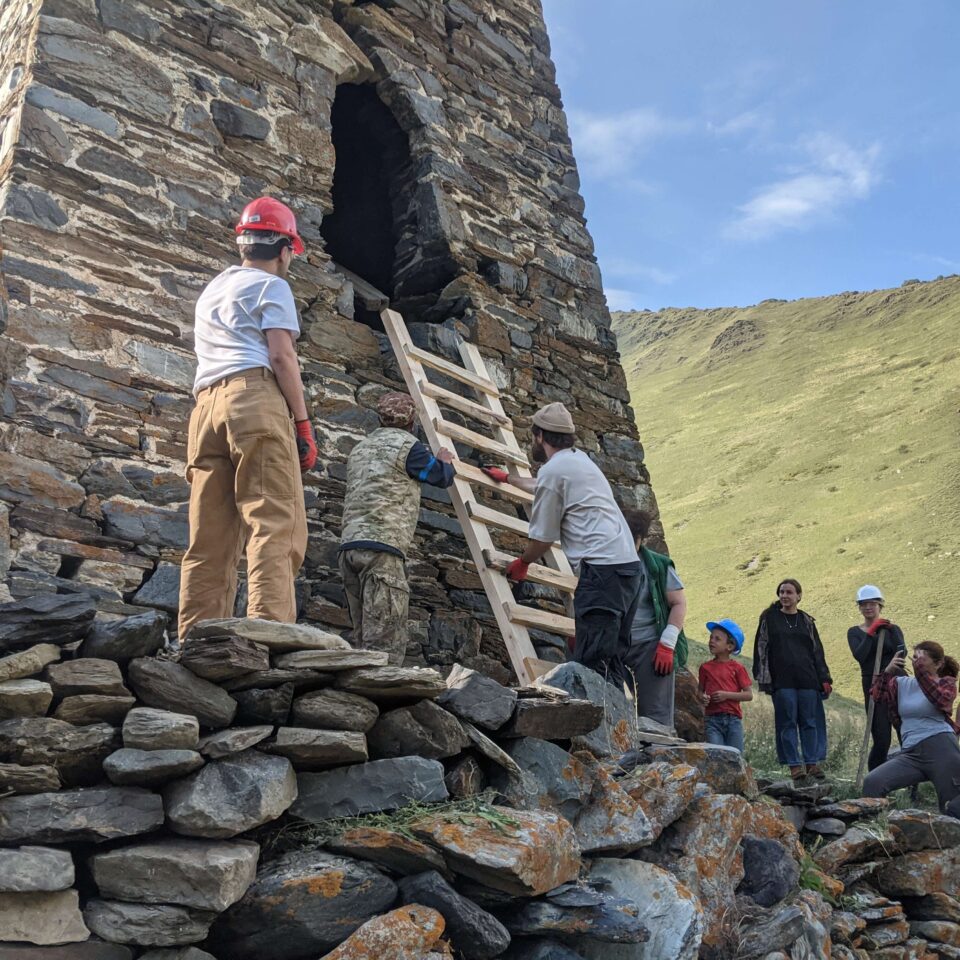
(923, 704)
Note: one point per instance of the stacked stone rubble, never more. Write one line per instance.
(132, 133)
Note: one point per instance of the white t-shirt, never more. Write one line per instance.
(232, 315)
(573, 503)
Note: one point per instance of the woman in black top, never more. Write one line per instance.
(789, 664)
(863, 640)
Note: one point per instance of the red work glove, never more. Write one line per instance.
(517, 570)
(827, 689)
(496, 473)
(876, 625)
(306, 444)
(663, 660)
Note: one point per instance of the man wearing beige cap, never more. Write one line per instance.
(573, 503)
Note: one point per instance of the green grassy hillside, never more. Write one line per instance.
(815, 439)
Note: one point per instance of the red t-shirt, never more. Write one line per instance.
(724, 675)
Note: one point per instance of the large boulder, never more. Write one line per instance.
(769, 871)
(126, 639)
(663, 791)
(230, 796)
(611, 821)
(667, 908)
(403, 934)
(77, 753)
(46, 617)
(146, 924)
(522, 853)
(41, 918)
(923, 830)
(369, 788)
(477, 698)
(168, 686)
(723, 769)
(35, 870)
(203, 874)
(918, 874)
(857, 845)
(476, 934)
(421, 730)
(300, 906)
(91, 815)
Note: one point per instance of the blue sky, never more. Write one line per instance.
(735, 150)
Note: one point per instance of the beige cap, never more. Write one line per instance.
(554, 417)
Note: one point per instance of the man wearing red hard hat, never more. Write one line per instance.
(249, 436)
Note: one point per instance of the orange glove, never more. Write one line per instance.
(306, 444)
(663, 660)
(496, 473)
(517, 570)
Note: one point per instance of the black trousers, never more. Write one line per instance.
(881, 730)
(603, 605)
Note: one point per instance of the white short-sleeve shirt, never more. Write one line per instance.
(233, 314)
(573, 503)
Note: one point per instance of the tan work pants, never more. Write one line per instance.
(378, 597)
(245, 491)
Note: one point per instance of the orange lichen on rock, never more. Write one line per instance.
(403, 934)
(326, 884)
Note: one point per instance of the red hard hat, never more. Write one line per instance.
(267, 213)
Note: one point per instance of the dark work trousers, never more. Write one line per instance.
(936, 759)
(603, 605)
(881, 729)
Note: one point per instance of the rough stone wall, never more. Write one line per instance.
(144, 129)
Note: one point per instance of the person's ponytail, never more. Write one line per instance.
(950, 667)
(946, 666)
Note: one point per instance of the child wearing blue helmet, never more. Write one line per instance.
(724, 685)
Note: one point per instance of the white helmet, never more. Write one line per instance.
(869, 592)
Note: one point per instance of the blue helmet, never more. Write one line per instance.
(732, 629)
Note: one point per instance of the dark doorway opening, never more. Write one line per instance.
(372, 197)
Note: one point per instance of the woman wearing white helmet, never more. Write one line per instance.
(863, 640)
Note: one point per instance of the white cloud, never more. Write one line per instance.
(619, 299)
(749, 121)
(620, 267)
(608, 144)
(835, 175)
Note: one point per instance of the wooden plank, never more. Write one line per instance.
(369, 295)
(479, 441)
(470, 407)
(475, 475)
(537, 572)
(494, 518)
(539, 668)
(541, 619)
(452, 370)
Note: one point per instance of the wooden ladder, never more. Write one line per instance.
(476, 518)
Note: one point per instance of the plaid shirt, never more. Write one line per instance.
(940, 691)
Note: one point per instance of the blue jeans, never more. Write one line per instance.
(800, 711)
(725, 730)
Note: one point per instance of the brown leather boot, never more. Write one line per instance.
(816, 771)
(798, 773)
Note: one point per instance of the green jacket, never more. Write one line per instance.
(657, 565)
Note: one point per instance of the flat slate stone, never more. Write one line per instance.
(607, 920)
(826, 826)
(477, 698)
(203, 874)
(167, 685)
(35, 870)
(147, 924)
(149, 768)
(387, 848)
(923, 830)
(233, 740)
(47, 617)
(86, 708)
(222, 658)
(275, 677)
(88, 815)
(76, 752)
(25, 663)
(334, 710)
(146, 728)
(553, 720)
(316, 749)
(406, 933)
(230, 796)
(86, 675)
(390, 684)
(89, 950)
(369, 788)
(126, 639)
(24, 698)
(277, 637)
(423, 730)
(260, 706)
(41, 918)
(302, 904)
(330, 661)
(40, 778)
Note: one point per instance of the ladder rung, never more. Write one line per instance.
(479, 441)
(537, 573)
(470, 407)
(494, 518)
(475, 475)
(540, 619)
(452, 370)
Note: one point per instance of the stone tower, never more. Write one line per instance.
(424, 148)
